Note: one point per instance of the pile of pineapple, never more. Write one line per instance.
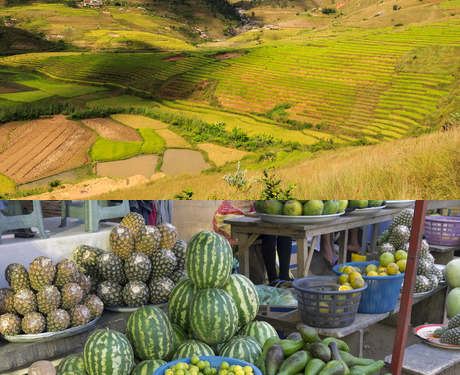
(47, 297)
(145, 263)
(397, 238)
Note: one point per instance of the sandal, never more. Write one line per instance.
(281, 283)
(334, 261)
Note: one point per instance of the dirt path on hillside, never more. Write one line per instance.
(38, 147)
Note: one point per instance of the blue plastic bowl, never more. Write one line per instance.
(213, 360)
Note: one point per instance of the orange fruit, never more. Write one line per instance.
(402, 264)
(348, 269)
(386, 258)
(372, 273)
(392, 269)
(345, 287)
(369, 268)
(343, 278)
(358, 282)
(383, 274)
(400, 254)
(352, 276)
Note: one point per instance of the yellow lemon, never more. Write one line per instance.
(402, 264)
(343, 278)
(372, 273)
(345, 287)
(400, 254)
(383, 274)
(340, 269)
(392, 269)
(381, 269)
(369, 268)
(353, 276)
(347, 284)
(386, 258)
(358, 282)
(348, 269)
(325, 307)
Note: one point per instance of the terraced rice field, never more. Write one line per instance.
(112, 130)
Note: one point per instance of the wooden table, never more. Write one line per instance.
(246, 230)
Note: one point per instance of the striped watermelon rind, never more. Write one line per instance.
(214, 316)
(147, 367)
(208, 260)
(179, 335)
(242, 347)
(150, 333)
(108, 352)
(245, 295)
(259, 330)
(72, 372)
(179, 303)
(72, 362)
(189, 348)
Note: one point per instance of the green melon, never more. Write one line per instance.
(208, 260)
(108, 352)
(71, 372)
(242, 347)
(179, 335)
(150, 333)
(452, 273)
(214, 316)
(72, 362)
(179, 303)
(245, 295)
(259, 330)
(453, 302)
(147, 367)
(189, 348)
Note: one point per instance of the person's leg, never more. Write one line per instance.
(353, 242)
(284, 249)
(327, 249)
(269, 255)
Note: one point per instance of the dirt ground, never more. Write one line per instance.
(112, 130)
(41, 146)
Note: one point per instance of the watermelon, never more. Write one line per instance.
(209, 260)
(150, 333)
(242, 347)
(261, 331)
(72, 372)
(179, 303)
(147, 367)
(245, 295)
(179, 335)
(72, 362)
(453, 302)
(189, 348)
(213, 316)
(108, 352)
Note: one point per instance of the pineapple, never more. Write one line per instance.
(138, 267)
(48, 299)
(169, 235)
(179, 249)
(25, 301)
(160, 289)
(10, 324)
(454, 322)
(451, 336)
(122, 241)
(71, 295)
(424, 267)
(94, 304)
(177, 275)
(433, 279)
(147, 240)
(17, 277)
(79, 315)
(89, 260)
(7, 301)
(386, 248)
(111, 268)
(163, 263)
(422, 284)
(66, 272)
(424, 249)
(405, 217)
(85, 283)
(383, 237)
(33, 323)
(78, 256)
(57, 320)
(41, 272)
(399, 236)
(133, 221)
(135, 293)
(110, 293)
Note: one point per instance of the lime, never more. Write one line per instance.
(386, 258)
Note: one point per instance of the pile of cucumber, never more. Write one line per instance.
(304, 353)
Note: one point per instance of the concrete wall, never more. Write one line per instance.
(190, 217)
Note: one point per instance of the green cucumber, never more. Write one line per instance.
(273, 359)
(321, 351)
(314, 366)
(291, 346)
(295, 336)
(269, 342)
(336, 356)
(332, 368)
(341, 345)
(351, 360)
(308, 334)
(294, 363)
(367, 370)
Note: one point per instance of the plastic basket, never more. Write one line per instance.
(442, 230)
(320, 306)
(214, 362)
(382, 292)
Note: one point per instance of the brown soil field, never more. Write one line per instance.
(5, 130)
(39, 147)
(10, 87)
(112, 130)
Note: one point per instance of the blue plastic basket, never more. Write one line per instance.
(382, 292)
(215, 361)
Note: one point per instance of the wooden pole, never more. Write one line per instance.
(408, 288)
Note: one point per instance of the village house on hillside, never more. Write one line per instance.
(89, 3)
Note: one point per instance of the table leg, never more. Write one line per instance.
(375, 234)
(244, 241)
(343, 241)
(302, 250)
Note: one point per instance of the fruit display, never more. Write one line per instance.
(138, 270)
(449, 333)
(48, 297)
(201, 365)
(296, 207)
(452, 272)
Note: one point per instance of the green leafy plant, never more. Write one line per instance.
(54, 183)
(238, 180)
(185, 195)
(273, 189)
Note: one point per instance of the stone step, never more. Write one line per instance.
(424, 359)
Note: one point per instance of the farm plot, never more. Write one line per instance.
(172, 139)
(221, 155)
(112, 130)
(139, 122)
(39, 147)
(65, 90)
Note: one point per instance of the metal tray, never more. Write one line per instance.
(425, 332)
(50, 336)
(367, 211)
(398, 204)
(286, 219)
(131, 308)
